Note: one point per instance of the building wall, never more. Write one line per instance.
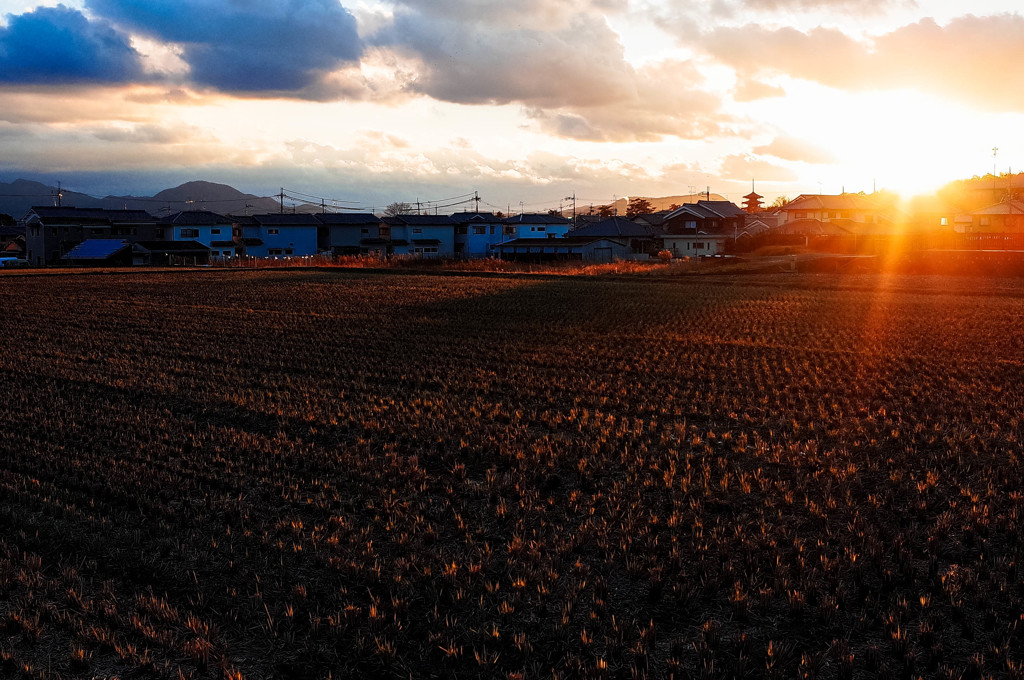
(205, 234)
(694, 246)
(479, 238)
(281, 241)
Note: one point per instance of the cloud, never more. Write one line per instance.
(251, 47)
(748, 90)
(744, 166)
(969, 58)
(574, 81)
(793, 149)
(501, 13)
(57, 45)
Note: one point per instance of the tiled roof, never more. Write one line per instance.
(614, 226)
(341, 219)
(468, 217)
(96, 249)
(60, 214)
(837, 202)
(286, 220)
(565, 241)
(196, 218)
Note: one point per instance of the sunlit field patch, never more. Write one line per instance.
(308, 473)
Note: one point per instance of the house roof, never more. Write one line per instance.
(342, 219)
(481, 217)
(536, 218)
(12, 231)
(1012, 207)
(97, 249)
(654, 219)
(286, 220)
(419, 220)
(196, 218)
(614, 226)
(805, 226)
(62, 214)
(838, 202)
(562, 242)
(708, 210)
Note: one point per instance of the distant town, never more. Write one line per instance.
(980, 214)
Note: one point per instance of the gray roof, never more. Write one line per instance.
(342, 219)
(613, 227)
(62, 214)
(196, 218)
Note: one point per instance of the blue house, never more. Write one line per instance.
(534, 225)
(421, 235)
(208, 228)
(477, 233)
(280, 235)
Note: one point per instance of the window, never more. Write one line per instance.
(273, 232)
(214, 253)
(364, 231)
(461, 230)
(801, 216)
(215, 232)
(417, 230)
(492, 229)
(691, 224)
(538, 228)
(698, 246)
(944, 221)
(425, 250)
(274, 251)
(288, 251)
(479, 230)
(190, 233)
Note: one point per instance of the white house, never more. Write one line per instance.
(695, 245)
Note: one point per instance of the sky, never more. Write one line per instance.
(366, 102)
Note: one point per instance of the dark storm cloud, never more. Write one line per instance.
(257, 46)
(57, 45)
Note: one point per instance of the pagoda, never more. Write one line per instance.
(752, 200)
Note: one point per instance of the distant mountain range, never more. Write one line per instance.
(17, 197)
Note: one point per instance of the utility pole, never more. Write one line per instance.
(573, 199)
(281, 196)
(476, 197)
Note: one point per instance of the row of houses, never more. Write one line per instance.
(52, 235)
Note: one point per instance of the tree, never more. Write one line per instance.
(639, 206)
(6, 220)
(397, 208)
(779, 202)
(674, 206)
(606, 211)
